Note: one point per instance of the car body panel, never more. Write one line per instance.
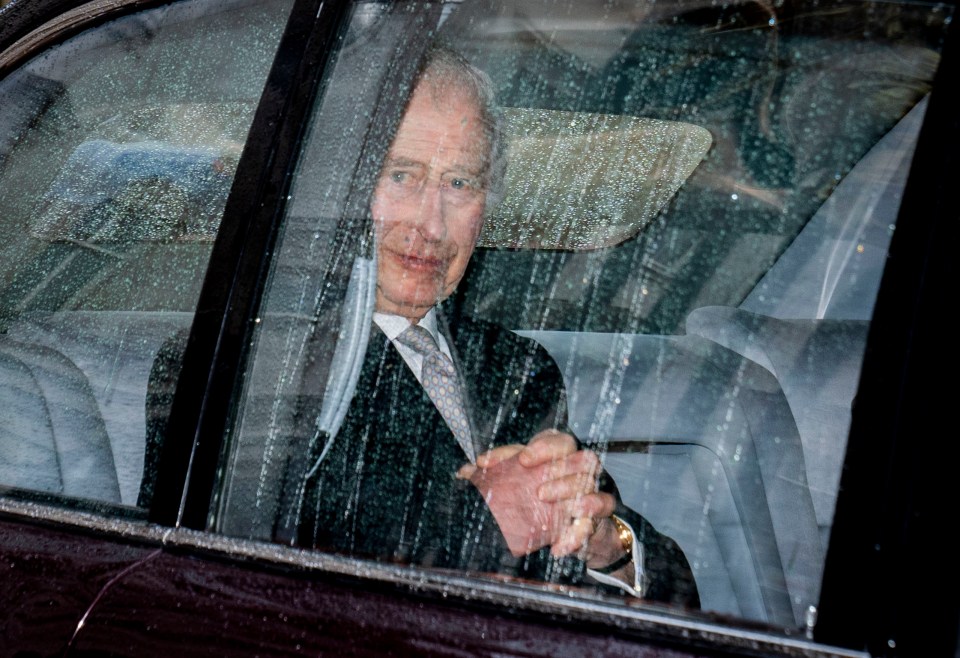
(151, 590)
(41, 615)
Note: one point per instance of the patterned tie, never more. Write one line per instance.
(439, 379)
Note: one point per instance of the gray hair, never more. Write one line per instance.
(445, 68)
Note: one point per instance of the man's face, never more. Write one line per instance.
(428, 203)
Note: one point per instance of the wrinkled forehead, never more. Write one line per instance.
(444, 118)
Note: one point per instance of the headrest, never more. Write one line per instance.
(147, 191)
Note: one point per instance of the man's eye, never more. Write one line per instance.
(461, 184)
(399, 177)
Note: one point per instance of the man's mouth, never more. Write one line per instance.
(419, 262)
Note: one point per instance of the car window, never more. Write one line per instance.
(118, 147)
(677, 265)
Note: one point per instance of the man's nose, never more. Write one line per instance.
(431, 220)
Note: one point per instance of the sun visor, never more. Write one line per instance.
(580, 181)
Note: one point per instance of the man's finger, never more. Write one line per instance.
(499, 454)
(547, 446)
(585, 514)
(583, 463)
(593, 505)
(574, 538)
(489, 459)
(567, 486)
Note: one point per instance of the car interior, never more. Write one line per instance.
(110, 205)
(702, 272)
(765, 463)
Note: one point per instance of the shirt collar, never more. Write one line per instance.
(394, 325)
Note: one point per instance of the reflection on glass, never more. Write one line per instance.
(117, 150)
(692, 222)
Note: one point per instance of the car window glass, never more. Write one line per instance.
(678, 265)
(118, 147)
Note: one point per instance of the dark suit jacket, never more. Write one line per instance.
(386, 487)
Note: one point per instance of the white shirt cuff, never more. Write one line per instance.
(635, 588)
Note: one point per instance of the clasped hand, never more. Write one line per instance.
(543, 493)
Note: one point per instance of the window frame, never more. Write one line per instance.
(229, 299)
(27, 29)
(891, 498)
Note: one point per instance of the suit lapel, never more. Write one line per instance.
(404, 377)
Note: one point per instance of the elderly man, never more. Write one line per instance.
(454, 452)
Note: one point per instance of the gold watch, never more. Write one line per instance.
(625, 535)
